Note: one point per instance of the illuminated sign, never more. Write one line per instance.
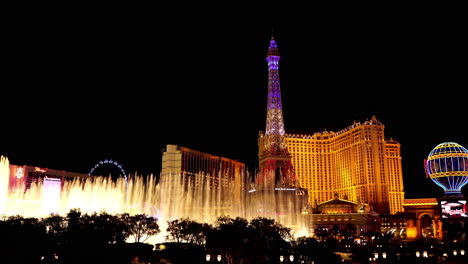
(453, 208)
(19, 172)
(39, 169)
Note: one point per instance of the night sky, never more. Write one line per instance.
(85, 84)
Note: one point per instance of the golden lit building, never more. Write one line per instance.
(198, 169)
(356, 163)
(344, 216)
(423, 218)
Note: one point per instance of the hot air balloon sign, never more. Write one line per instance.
(447, 166)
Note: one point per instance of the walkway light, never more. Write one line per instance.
(462, 252)
(425, 254)
(455, 252)
(208, 257)
(281, 258)
(291, 258)
(418, 254)
(218, 258)
(384, 255)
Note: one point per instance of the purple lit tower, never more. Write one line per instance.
(275, 164)
(276, 193)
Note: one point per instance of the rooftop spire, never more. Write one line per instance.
(274, 158)
(274, 123)
(273, 48)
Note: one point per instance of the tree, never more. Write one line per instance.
(55, 225)
(257, 241)
(106, 228)
(186, 230)
(18, 233)
(307, 247)
(237, 232)
(140, 226)
(268, 237)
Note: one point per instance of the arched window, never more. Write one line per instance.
(427, 228)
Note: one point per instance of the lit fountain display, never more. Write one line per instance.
(202, 198)
(171, 198)
(93, 194)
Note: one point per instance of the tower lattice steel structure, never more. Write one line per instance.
(275, 164)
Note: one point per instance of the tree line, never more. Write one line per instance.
(103, 238)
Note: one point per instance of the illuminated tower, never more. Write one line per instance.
(276, 194)
(275, 164)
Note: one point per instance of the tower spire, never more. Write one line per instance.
(276, 192)
(274, 122)
(274, 159)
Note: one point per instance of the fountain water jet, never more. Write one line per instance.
(93, 194)
(172, 197)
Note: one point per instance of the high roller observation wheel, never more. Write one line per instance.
(109, 161)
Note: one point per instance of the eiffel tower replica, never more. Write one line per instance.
(276, 193)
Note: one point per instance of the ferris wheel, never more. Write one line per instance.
(110, 162)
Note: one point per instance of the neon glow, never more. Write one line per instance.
(447, 166)
(454, 209)
(40, 169)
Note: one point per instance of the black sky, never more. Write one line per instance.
(82, 84)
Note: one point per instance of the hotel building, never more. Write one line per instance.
(191, 168)
(25, 176)
(356, 163)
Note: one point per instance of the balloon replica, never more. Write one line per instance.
(447, 166)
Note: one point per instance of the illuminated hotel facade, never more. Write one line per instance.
(218, 173)
(356, 163)
(25, 176)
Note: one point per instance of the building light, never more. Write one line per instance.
(39, 169)
(19, 172)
